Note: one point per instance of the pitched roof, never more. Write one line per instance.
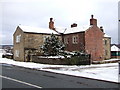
(37, 30)
(75, 29)
(114, 48)
(105, 35)
(118, 45)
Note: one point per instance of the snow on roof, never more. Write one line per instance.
(76, 29)
(37, 30)
(105, 35)
(115, 48)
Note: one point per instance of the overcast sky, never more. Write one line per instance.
(36, 13)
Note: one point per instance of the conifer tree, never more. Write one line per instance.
(52, 46)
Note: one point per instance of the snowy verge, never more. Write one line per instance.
(108, 72)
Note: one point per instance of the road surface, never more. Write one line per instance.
(18, 77)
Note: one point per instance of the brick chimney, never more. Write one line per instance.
(93, 21)
(51, 24)
(73, 25)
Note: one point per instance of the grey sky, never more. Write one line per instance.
(36, 13)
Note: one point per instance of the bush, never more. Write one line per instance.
(79, 59)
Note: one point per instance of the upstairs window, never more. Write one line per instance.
(105, 42)
(75, 39)
(66, 40)
(18, 38)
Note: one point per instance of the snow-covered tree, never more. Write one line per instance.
(52, 46)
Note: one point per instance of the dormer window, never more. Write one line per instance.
(18, 38)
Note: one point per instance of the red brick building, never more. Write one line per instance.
(91, 39)
(86, 39)
(75, 41)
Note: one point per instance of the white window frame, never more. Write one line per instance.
(106, 41)
(75, 39)
(17, 53)
(18, 37)
(66, 40)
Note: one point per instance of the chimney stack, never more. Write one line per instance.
(51, 24)
(73, 25)
(93, 21)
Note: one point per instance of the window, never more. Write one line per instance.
(66, 40)
(17, 53)
(106, 52)
(18, 38)
(105, 42)
(75, 39)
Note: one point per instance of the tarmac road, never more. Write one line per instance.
(18, 77)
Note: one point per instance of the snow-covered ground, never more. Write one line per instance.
(108, 72)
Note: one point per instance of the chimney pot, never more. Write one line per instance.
(93, 21)
(51, 19)
(92, 16)
(101, 28)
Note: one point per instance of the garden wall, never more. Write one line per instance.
(76, 60)
(45, 60)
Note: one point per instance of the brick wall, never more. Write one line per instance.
(94, 43)
(79, 45)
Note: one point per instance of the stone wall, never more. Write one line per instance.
(56, 61)
(107, 47)
(77, 60)
(18, 45)
(32, 40)
(27, 40)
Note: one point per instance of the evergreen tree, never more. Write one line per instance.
(52, 46)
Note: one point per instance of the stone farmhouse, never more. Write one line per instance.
(91, 40)
(28, 38)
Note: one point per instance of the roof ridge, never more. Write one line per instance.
(37, 30)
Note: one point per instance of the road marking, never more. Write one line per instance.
(20, 81)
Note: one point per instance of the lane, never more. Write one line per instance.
(12, 84)
(35, 77)
(20, 82)
(51, 80)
